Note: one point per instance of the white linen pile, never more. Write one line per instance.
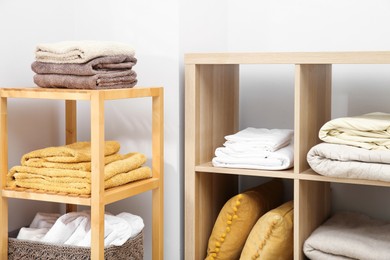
(354, 147)
(349, 235)
(257, 148)
(74, 228)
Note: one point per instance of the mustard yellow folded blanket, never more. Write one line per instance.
(71, 153)
(116, 173)
(80, 186)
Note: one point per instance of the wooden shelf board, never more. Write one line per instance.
(313, 176)
(49, 197)
(79, 94)
(131, 189)
(368, 57)
(208, 167)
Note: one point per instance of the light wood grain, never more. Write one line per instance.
(3, 172)
(377, 57)
(211, 111)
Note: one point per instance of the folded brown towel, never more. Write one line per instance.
(100, 65)
(121, 79)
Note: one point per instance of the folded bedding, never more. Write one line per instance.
(259, 138)
(369, 131)
(279, 160)
(100, 65)
(120, 79)
(74, 228)
(349, 235)
(71, 153)
(80, 51)
(344, 161)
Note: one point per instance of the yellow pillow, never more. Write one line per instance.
(237, 217)
(272, 236)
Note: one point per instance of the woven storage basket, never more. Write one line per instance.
(32, 250)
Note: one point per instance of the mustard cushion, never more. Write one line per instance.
(237, 217)
(271, 237)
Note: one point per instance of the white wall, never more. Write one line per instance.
(152, 28)
(302, 25)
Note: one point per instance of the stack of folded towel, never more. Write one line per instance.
(75, 228)
(257, 148)
(84, 65)
(354, 147)
(349, 235)
(67, 169)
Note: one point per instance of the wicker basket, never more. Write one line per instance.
(31, 250)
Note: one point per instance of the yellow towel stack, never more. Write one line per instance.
(67, 169)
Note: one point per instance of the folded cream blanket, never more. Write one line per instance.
(71, 153)
(109, 80)
(80, 51)
(369, 131)
(279, 160)
(116, 173)
(259, 138)
(100, 65)
(345, 161)
(349, 235)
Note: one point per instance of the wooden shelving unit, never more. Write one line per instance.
(211, 112)
(99, 197)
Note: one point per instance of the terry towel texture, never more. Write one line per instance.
(68, 168)
(75, 229)
(122, 79)
(257, 148)
(369, 131)
(80, 51)
(349, 235)
(101, 65)
(345, 161)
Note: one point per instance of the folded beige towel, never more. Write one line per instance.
(118, 172)
(100, 65)
(80, 186)
(80, 51)
(109, 80)
(71, 153)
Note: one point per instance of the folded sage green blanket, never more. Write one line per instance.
(109, 80)
(100, 65)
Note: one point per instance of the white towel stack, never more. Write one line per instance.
(75, 228)
(257, 148)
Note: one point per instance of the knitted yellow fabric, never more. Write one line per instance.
(237, 218)
(272, 236)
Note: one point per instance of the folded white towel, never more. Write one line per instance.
(65, 227)
(80, 51)
(259, 138)
(34, 234)
(75, 229)
(44, 220)
(227, 151)
(278, 160)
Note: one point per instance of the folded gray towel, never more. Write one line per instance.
(100, 65)
(80, 51)
(123, 79)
